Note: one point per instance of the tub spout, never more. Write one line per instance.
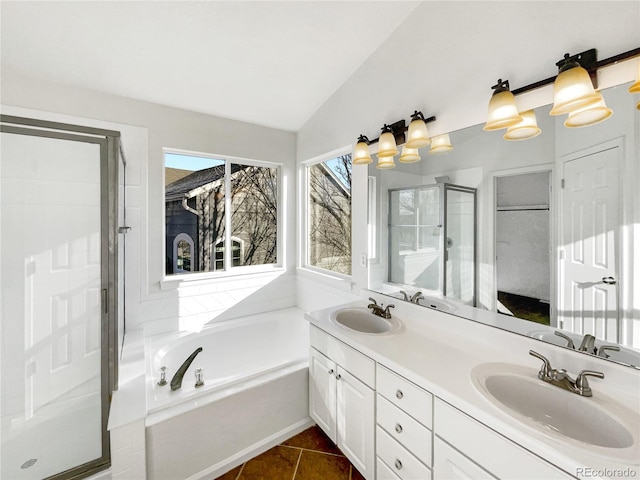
(176, 381)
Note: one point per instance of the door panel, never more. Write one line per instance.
(322, 393)
(589, 235)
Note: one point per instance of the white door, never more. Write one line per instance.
(589, 236)
(356, 422)
(322, 393)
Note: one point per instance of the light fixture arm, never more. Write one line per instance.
(500, 86)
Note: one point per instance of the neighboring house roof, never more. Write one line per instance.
(174, 174)
(197, 179)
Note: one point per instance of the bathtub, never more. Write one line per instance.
(255, 394)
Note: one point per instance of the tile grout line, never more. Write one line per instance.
(240, 472)
(295, 471)
(315, 451)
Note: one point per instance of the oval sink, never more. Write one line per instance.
(597, 421)
(363, 321)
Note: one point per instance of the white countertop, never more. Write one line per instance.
(438, 352)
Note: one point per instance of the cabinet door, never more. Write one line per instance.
(322, 393)
(450, 464)
(356, 422)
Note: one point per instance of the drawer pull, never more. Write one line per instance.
(331, 372)
(338, 377)
(398, 428)
(399, 394)
(398, 464)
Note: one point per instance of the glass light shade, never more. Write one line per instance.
(572, 90)
(417, 136)
(387, 145)
(591, 115)
(440, 144)
(527, 128)
(361, 155)
(635, 88)
(503, 112)
(409, 155)
(384, 163)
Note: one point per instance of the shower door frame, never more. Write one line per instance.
(109, 142)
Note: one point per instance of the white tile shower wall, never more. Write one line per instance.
(128, 458)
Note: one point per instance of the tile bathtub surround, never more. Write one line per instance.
(310, 455)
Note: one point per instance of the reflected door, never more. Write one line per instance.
(589, 229)
(51, 285)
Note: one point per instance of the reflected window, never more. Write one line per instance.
(183, 251)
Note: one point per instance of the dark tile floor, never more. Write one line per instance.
(310, 455)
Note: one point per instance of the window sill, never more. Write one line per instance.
(207, 278)
(341, 282)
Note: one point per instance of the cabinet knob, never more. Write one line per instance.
(331, 372)
(398, 464)
(399, 394)
(338, 377)
(398, 428)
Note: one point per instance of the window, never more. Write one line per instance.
(220, 214)
(328, 239)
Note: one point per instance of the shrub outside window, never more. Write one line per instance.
(329, 214)
(228, 208)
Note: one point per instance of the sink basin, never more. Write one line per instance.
(363, 321)
(597, 421)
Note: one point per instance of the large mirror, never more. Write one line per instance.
(550, 244)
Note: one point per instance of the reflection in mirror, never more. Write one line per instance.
(556, 239)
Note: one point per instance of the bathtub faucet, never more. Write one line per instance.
(176, 381)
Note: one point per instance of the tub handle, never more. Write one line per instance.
(163, 376)
(199, 377)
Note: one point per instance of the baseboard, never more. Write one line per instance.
(254, 450)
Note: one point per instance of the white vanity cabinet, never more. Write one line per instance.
(465, 448)
(404, 428)
(342, 398)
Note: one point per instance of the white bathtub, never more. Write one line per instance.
(255, 394)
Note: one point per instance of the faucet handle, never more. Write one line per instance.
(583, 384)
(545, 369)
(373, 301)
(567, 338)
(603, 349)
(163, 376)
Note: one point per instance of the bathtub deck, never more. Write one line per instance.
(310, 455)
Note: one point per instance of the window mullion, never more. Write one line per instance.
(228, 260)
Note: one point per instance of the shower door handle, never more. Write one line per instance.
(105, 303)
(609, 280)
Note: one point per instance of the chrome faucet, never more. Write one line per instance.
(176, 381)
(588, 344)
(560, 378)
(415, 298)
(405, 297)
(380, 310)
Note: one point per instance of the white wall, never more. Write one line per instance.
(151, 305)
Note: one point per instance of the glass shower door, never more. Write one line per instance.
(51, 287)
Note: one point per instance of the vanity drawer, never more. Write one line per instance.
(405, 395)
(383, 472)
(405, 429)
(359, 365)
(398, 459)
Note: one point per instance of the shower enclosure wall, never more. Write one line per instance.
(432, 240)
(58, 296)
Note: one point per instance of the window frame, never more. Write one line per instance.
(233, 271)
(318, 273)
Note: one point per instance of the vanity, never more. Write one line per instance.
(436, 396)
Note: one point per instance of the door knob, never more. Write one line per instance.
(609, 280)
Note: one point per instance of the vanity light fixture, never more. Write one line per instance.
(635, 88)
(409, 155)
(361, 155)
(440, 144)
(503, 111)
(573, 88)
(583, 117)
(387, 141)
(527, 128)
(417, 136)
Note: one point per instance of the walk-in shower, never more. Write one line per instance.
(432, 240)
(58, 296)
